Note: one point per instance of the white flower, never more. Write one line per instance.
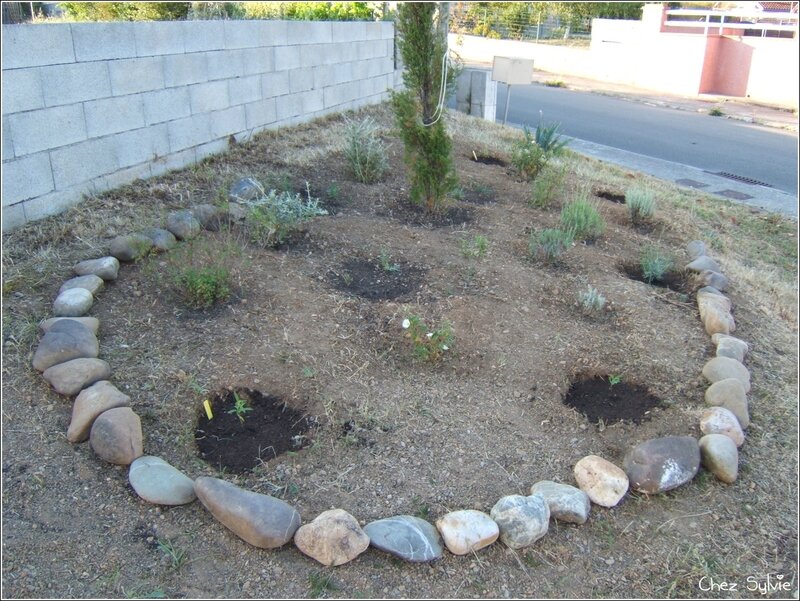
(430, 334)
(445, 347)
(406, 324)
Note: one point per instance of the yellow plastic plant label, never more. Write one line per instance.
(207, 405)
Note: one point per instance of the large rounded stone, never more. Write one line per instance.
(64, 341)
(333, 538)
(522, 520)
(730, 394)
(106, 268)
(130, 247)
(703, 263)
(91, 282)
(245, 189)
(90, 404)
(722, 368)
(116, 436)
(695, 249)
(157, 482)
(566, 503)
(467, 530)
(718, 420)
(183, 225)
(720, 456)
(715, 313)
(661, 464)
(163, 240)
(603, 481)
(405, 536)
(261, 520)
(210, 217)
(728, 346)
(73, 302)
(714, 279)
(72, 376)
(90, 322)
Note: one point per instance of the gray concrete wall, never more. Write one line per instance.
(90, 106)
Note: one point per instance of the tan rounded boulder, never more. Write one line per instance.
(718, 420)
(116, 436)
(604, 482)
(332, 538)
(467, 530)
(91, 403)
(722, 368)
(720, 456)
(729, 393)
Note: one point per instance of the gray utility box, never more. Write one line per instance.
(476, 94)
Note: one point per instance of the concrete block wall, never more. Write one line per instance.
(90, 106)
(476, 94)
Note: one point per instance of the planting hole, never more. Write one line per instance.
(249, 428)
(611, 196)
(675, 280)
(600, 399)
(368, 279)
(486, 159)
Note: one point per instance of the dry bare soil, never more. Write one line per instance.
(392, 435)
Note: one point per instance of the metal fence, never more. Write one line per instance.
(515, 21)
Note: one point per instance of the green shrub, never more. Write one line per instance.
(475, 248)
(528, 157)
(548, 138)
(365, 151)
(310, 11)
(418, 116)
(654, 265)
(549, 244)
(641, 203)
(126, 11)
(582, 219)
(716, 112)
(428, 345)
(591, 300)
(275, 216)
(549, 182)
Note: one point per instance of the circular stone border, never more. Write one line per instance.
(715, 313)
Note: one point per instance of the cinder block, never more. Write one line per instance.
(82, 162)
(8, 142)
(242, 90)
(13, 216)
(47, 128)
(349, 31)
(341, 93)
(242, 34)
(159, 37)
(112, 115)
(301, 80)
(258, 60)
(312, 54)
(188, 132)
(308, 32)
(273, 33)
(22, 90)
(288, 106)
(54, 203)
(312, 101)
(375, 31)
(201, 36)
(120, 178)
(211, 96)
(275, 84)
(103, 41)
(225, 64)
(175, 160)
(77, 82)
(135, 75)
(210, 148)
(141, 145)
(35, 45)
(227, 122)
(329, 75)
(166, 105)
(387, 30)
(26, 177)
(261, 113)
(287, 57)
(185, 69)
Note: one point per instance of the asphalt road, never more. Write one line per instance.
(698, 140)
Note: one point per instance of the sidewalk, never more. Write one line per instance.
(737, 108)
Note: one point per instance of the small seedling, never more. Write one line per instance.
(385, 262)
(240, 407)
(176, 555)
(333, 191)
(716, 112)
(614, 379)
(641, 203)
(308, 372)
(320, 582)
(549, 244)
(428, 345)
(475, 248)
(591, 300)
(654, 265)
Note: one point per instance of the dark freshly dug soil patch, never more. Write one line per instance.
(479, 196)
(597, 399)
(367, 279)
(267, 430)
(611, 196)
(486, 159)
(675, 280)
(416, 215)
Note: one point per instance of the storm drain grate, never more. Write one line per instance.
(741, 178)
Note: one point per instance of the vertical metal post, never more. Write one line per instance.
(508, 97)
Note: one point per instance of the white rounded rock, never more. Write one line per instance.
(467, 530)
(718, 420)
(157, 482)
(722, 368)
(604, 482)
(73, 302)
(720, 456)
